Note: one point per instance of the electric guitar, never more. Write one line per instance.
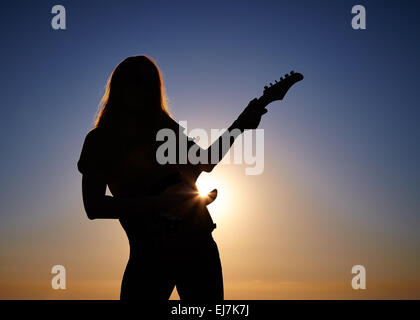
(190, 173)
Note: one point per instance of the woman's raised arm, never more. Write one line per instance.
(250, 118)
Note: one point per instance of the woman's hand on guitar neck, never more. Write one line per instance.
(250, 118)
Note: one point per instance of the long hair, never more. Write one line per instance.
(147, 100)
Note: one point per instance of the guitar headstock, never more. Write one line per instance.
(278, 90)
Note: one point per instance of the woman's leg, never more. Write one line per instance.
(199, 273)
(146, 278)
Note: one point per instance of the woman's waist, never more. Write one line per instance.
(166, 228)
(167, 224)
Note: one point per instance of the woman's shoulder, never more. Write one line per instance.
(175, 126)
(96, 133)
(94, 150)
(170, 123)
(98, 137)
(96, 142)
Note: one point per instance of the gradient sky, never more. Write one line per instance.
(341, 180)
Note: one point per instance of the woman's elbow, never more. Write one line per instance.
(92, 210)
(93, 194)
(91, 213)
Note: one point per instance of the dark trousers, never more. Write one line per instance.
(192, 264)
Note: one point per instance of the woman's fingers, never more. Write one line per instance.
(250, 118)
(253, 104)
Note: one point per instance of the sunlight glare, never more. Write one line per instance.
(208, 182)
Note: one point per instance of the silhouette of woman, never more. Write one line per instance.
(167, 224)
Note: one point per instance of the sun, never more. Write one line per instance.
(209, 181)
(205, 186)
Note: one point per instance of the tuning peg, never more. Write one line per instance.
(275, 81)
(286, 75)
(292, 72)
(281, 79)
(271, 84)
(265, 88)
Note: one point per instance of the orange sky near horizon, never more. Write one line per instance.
(295, 256)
